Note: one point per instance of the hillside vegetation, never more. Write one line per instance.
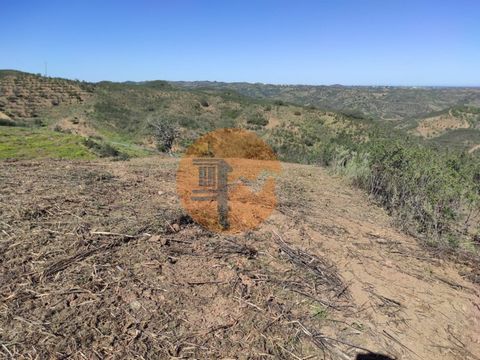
(433, 193)
(101, 260)
(25, 95)
(378, 102)
(121, 114)
(457, 127)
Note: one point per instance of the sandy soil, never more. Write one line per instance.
(99, 261)
(273, 122)
(4, 116)
(474, 148)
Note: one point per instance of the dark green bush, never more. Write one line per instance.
(257, 119)
(103, 149)
(7, 122)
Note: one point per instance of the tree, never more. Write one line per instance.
(165, 132)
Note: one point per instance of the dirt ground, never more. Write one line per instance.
(98, 260)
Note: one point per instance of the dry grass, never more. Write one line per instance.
(99, 261)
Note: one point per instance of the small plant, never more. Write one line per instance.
(319, 312)
(103, 149)
(59, 129)
(257, 119)
(7, 122)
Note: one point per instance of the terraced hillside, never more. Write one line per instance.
(25, 95)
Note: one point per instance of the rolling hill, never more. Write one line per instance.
(120, 114)
(389, 103)
(428, 189)
(371, 252)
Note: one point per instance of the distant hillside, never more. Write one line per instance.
(457, 127)
(378, 102)
(120, 114)
(427, 188)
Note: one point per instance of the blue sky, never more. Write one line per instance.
(351, 42)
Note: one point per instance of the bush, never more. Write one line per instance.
(428, 192)
(103, 149)
(257, 119)
(7, 122)
(165, 132)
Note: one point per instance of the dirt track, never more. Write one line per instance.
(99, 261)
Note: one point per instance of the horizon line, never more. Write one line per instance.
(247, 82)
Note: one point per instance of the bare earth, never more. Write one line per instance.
(99, 261)
(437, 125)
(474, 148)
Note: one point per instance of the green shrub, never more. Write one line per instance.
(103, 149)
(231, 113)
(428, 192)
(7, 122)
(257, 119)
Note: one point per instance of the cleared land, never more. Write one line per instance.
(98, 260)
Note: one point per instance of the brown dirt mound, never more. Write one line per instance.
(99, 261)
